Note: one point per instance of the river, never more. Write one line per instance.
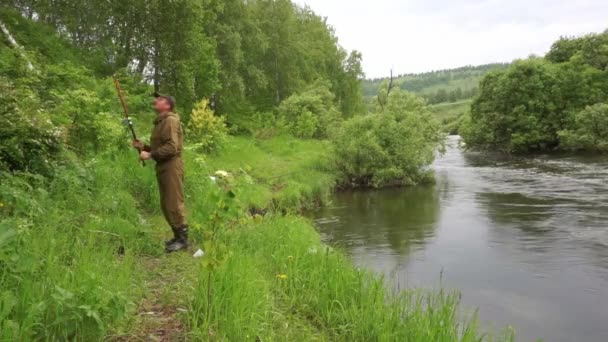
(524, 239)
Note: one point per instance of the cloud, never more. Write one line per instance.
(423, 35)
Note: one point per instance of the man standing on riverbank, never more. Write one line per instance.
(166, 146)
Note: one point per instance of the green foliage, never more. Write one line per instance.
(350, 89)
(592, 48)
(250, 54)
(530, 105)
(439, 86)
(89, 131)
(282, 283)
(28, 140)
(263, 125)
(451, 115)
(62, 275)
(296, 169)
(528, 117)
(206, 130)
(590, 130)
(391, 147)
(310, 114)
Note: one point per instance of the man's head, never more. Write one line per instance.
(164, 104)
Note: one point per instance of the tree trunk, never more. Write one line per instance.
(16, 45)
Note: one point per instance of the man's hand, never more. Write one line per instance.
(143, 155)
(138, 144)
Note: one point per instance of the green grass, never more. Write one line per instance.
(288, 174)
(451, 114)
(64, 277)
(61, 273)
(280, 276)
(464, 84)
(445, 111)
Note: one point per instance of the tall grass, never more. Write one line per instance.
(72, 252)
(69, 256)
(280, 276)
(286, 174)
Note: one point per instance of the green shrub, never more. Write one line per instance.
(311, 113)
(590, 130)
(28, 139)
(91, 128)
(263, 125)
(206, 130)
(391, 147)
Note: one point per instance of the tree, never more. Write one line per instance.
(350, 94)
(529, 106)
(589, 130)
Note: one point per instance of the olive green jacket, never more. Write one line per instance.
(167, 140)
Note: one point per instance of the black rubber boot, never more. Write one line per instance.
(170, 242)
(181, 241)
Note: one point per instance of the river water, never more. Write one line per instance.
(525, 240)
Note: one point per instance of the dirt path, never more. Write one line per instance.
(160, 315)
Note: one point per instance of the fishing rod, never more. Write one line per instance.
(127, 117)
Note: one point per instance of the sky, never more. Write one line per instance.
(424, 35)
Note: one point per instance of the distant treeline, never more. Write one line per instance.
(442, 95)
(448, 85)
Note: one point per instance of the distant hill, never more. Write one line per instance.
(441, 86)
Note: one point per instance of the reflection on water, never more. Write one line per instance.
(524, 239)
(373, 220)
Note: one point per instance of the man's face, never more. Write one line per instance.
(161, 105)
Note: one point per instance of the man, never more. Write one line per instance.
(166, 146)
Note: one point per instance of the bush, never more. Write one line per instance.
(263, 125)
(391, 147)
(28, 140)
(90, 128)
(590, 130)
(311, 113)
(206, 130)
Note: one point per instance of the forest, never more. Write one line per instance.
(441, 86)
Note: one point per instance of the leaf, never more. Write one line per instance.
(7, 302)
(208, 247)
(6, 235)
(89, 312)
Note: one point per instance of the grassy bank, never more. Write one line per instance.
(82, 259)
(450, 114)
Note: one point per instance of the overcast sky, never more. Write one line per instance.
(424, 35)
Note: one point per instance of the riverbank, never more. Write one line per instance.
(277, 282)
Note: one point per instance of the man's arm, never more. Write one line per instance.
(169, 133)
(141, 146)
